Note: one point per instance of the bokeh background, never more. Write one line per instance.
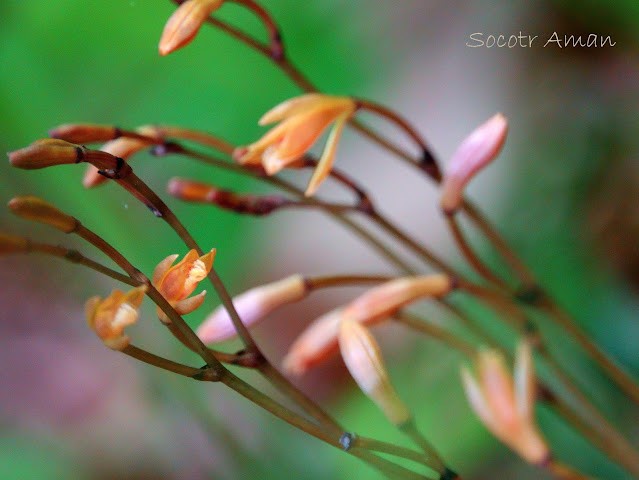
(564, 192)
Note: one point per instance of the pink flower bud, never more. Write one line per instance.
(476, 151)
(252, 306)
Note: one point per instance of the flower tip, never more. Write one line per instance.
(45, 153)
(37, 210)
(475, 152)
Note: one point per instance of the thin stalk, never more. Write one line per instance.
(627, 383)
(615, 444)
(316, 283)
(406, 240)
(561, 471)
(389, 469)
(390, 449)
(275, 39)
(410, 429)
(308, 405)
(437, 333)
(76, 257)
(163, 363)
(500, 244)
(382, 249)
(427, 162)
(469, 254)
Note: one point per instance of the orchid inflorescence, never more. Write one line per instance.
(504, 403)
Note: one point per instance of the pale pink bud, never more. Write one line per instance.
(380, 302)
(363, 359)
(505, 405)
(252, 306)
(476, 151)
(319, 340)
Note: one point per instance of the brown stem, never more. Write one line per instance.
(275, 39)
(316, 283)
(76, 257)
(469, 254)
(611, 442)
(390, 449)
(390, 469)
(152, 293)
(562, 471)
(426, 254)
(410, 429)
(165, 364)
(427, 162)
(627, 384)
(437, 333)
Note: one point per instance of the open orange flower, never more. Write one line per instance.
(109, 317)
(302, 121)
(177, 282)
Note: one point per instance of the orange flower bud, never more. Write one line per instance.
(10, 244)
(109, 317)
(478, 149)
(84, 133)
(252, 306)
(46, 153)
(185, 22)
(363, 359)
(506, 405)
(319, 340)
(37, 210)
(302, 121)
(177, 282)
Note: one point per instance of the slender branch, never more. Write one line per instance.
(388, 468)
(316, 283)
(76, 257)
(164, 364)
(469, 254)
(152, 293)
(627, 383)
(410, 429)
(562, 471)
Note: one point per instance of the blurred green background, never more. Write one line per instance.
(565, 194)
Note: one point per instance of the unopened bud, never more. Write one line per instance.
(319, 340)
(380, 302)
(10, 244)
(478, 149)
(185, 22)
(252, 306)
(363, 359)
(191, 191)
(84, 133)
(46, 153)
(505, 405)
(37, 210)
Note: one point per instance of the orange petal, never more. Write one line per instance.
(190, 304)
(325, 163)
(162, 268)
(291, 107)
(185, 22)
